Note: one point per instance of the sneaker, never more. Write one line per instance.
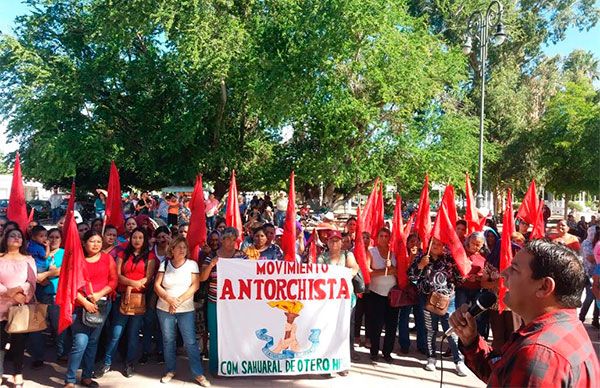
(144, 359)
(38, 364)
(202, 381)
(431, 362)
(343, 373)
(388, 358)
(101, 371)
(128, 372)
(167, 377)
(374, 358)
(461, 369)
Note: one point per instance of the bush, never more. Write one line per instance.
(575, 206)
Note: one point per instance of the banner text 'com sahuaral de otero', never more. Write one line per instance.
(282, 318)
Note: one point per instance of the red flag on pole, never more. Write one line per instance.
(288, 239)
(423, 220)
(539, 228)
(73, 275)
(444, 230)
(114, 206)
(506, 255)
(528, 209)
(196, 236)
(398, 243)
(30, 218)
(373, 212)
(360, 249)
(312, 247)
(17, 209)
(232, 216)
(471, 215)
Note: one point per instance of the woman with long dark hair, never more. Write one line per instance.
(17, 286)
(95, 297)
(135, 268)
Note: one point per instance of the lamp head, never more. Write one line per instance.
(467, 45)
(500, 35)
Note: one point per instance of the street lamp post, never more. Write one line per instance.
(478, 29)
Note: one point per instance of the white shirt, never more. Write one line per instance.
(55, 200)
(281, 204)
(381, 284)
(176, 281)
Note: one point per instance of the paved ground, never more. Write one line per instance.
(406, 369)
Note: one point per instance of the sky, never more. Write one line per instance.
(586, 40)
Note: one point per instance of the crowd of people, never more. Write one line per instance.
(179, 287)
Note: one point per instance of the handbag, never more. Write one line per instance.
(400, 297)
(358, 282)
(133, 303)
(437, 303)
(96, 319)
(26, 318)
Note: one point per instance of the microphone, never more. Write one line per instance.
(484, 302)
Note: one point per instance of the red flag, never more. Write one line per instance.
(506, 255)
(114, 206)
(398, 244)
(30, 218)
(471, 215)
(539, 228)
(196, 236)
(17, 209)
(73, 275)
(444, 230)
(423, 220)
(312, 247)
(232, 216)
(360, 250)
(373, 214)
(288, 239)
(528, 209)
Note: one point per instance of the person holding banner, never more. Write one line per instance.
(94, 298)
(335, 256)
(436, 273)
(379, 313)
(17, 286)
(176, 282)
(227, 250)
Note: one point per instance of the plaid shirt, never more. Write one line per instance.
(554, 350)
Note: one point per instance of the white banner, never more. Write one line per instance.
(282, 318)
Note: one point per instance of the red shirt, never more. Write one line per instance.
(477, 264)
(554, 350)
(134, 271)
(102, 273)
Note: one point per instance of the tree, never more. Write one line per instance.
(569, 135)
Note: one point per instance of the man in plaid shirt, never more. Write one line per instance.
(545, 282)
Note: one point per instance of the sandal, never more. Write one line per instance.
(202, 381)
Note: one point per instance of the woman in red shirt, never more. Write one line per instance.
(94, 297)
(135, 267)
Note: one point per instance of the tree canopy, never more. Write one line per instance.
(341, 91)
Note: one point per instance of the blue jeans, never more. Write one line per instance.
(403, 332)
(432, 322)
(150, 327)
(119, 322)
(36, 344)
(83, 351)
(186, 324)
(55, 213)
(213, 349)
(279, 218)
